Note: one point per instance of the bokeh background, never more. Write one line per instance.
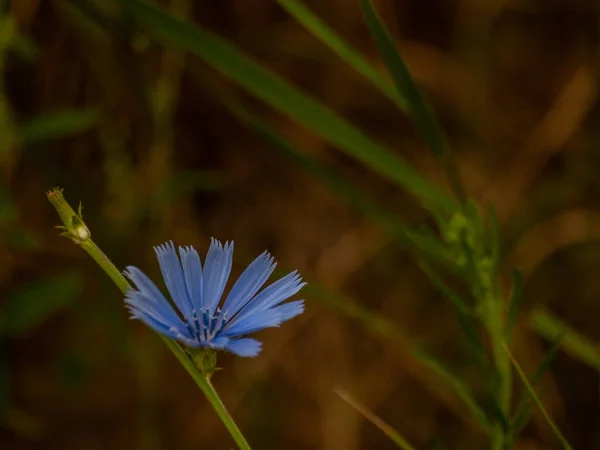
(92, 104)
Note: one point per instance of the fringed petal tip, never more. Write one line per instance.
(245, 347)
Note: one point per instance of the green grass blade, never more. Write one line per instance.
(464, 312)
(460, 387)
(457, 303)
(494, 236)
(423, 243)
(537, 401)
(573, 343)
(419, 111)
(550, 355)
(523, 411)
(514, 301)
(263, 84)
(329, 37)
(386, 429)
(58, 125)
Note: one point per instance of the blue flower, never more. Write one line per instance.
(196, 291)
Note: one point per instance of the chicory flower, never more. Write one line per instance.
(200, 320)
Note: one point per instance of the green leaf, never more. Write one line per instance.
(573, 343)
(464, 312)
(59, 124)
(344, 50)
(523, 411)
(537, 401)
(460, 387)
(514, 301)
(421, 114)
(386, 429)
(28, 307)
(422, 242)
(550, 355)
(494, 236)
(457, 303)
(265, 85)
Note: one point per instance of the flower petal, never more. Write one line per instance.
(157, 325)
(273, 294)
(248, 284)
(149, 298)
(244, 347)
(290, 310)
(174, 278)
(259, 320)
(144, 284)
(192, 269)
(217, 268)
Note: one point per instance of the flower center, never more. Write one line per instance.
(205, 326)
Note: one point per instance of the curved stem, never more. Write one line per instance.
(77, 231)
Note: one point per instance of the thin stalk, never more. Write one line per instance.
(495, 326)
(374, 419)
(493, 319)
(561, 437)
(75, 228)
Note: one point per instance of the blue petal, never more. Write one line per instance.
(150, 321)
(192, 269)
(244, 347)
(219, 342)
(252, 322)
(216, 272)
(259, 320)
(248, 284)
(274, 294)
(290, 310)
(149, 293)
(143, 283)
(174, 278)
(179, 333)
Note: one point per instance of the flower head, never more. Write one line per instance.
(198, 321)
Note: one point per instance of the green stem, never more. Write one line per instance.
(495, 327)
(561, 437)
(75, 228)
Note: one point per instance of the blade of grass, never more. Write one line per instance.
(457, 303)
(494, 236)
(260, 82)
(458, 385)
(374, 419)
(329, 37)
(523, 411)
(537, 401)
(514, 301)
(416, 107)
(423, 241)
(573, 343)
(422, 115)
(58, 124)
(464, 312)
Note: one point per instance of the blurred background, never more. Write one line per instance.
(92, 104)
